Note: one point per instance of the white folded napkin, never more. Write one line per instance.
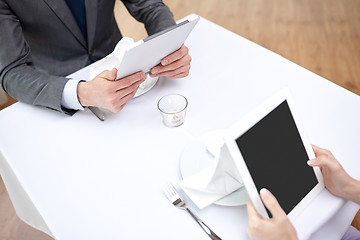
(112, 60)
(214, 182)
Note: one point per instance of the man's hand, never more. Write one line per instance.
(103, 91)
(336, 180)
(175, 65)
(277, 228)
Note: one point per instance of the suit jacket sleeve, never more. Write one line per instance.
(18, 75)
(153, 13)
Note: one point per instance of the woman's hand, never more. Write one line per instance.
(277, 228)
(336, 180)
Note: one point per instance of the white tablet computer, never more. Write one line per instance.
(148, 52)
(271, 151)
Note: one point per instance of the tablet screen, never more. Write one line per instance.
(276, 157)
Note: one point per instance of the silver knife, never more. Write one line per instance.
(98, 113)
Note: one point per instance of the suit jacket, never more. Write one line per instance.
(40, 43)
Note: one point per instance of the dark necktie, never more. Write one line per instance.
(77, 8)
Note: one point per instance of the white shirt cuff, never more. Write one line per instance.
(69, 97)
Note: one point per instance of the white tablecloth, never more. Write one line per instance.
(79, 178)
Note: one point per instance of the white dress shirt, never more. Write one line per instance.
(69, 97)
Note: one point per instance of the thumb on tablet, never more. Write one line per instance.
(108, 74)
(271, 203)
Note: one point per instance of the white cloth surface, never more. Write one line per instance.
(21, 201)
(214, 182)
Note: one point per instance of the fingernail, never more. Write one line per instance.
(264, 192)
(310, 162)
(164, 62)
(154, 70)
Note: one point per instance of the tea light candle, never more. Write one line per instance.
(173, 109)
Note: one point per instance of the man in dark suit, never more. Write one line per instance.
(43, 41)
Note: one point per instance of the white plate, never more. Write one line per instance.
(146, 85)
(196, 158)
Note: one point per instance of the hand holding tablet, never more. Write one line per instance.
(175, 65)
(271, 151)
(157, 49)
(281, 206)
(279, 227)
(164, 53)
(336, 180)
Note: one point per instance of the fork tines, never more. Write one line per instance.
(171, 193)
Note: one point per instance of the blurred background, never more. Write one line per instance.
(322, 36)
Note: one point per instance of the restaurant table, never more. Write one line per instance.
(80, 178)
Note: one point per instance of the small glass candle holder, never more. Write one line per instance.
(173, 109)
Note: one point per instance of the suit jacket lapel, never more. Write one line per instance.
(60, 8)
(91, 18)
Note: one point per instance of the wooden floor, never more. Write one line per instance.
(322, 36)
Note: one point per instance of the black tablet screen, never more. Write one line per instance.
(276, 158)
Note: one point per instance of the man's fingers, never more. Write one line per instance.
(130, 80)
(125, 99)
(128, 90)
(109, 74)
(120, 101)
(111, 95)
(180, 75)
(174, 66)
(178, 71)
(181, 52)
(121, 91)
(271, 203)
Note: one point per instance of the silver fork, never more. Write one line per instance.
(172, 194)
